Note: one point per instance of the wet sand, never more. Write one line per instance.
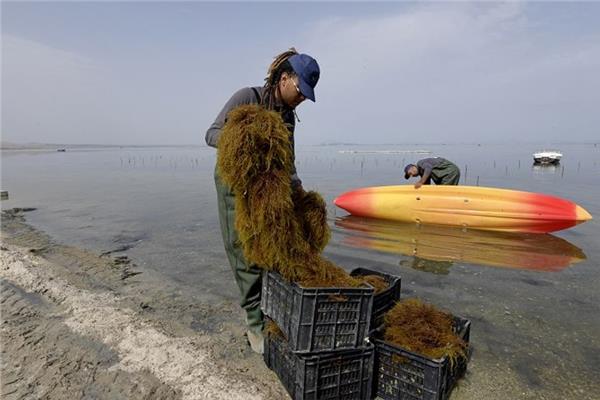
(78, 324)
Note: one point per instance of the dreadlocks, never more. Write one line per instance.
(279, 65)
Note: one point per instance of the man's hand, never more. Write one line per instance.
(418, 185)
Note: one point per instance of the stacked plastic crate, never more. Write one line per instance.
(334, 346)
(326, 353)
(401, 374)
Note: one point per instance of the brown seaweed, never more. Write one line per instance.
(423, 329)
(278, 229)
(272, 330)
(378, 282)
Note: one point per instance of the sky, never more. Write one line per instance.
(150, 73)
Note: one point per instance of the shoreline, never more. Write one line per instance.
(75, 323)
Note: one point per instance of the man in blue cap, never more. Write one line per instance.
(436, 169)
(290, 80)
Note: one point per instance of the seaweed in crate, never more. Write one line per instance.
(423, 329)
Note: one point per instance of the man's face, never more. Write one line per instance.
(413, 171)
(290, 91)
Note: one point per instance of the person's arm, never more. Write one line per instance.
(296, 182)
(427, 167)
(242, 96)
(424, 179)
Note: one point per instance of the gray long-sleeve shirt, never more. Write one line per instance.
(248, 95)
(426, 165)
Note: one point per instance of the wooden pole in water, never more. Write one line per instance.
(477, 180)
(466, 172)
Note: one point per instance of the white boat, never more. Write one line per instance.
(547, 157)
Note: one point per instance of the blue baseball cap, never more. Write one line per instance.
(308, 73)
(406, 176)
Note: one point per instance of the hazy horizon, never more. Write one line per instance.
(4, 145)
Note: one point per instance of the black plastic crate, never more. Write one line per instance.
(385, 300)
(338, 375)
(404, 375)
(317, 319)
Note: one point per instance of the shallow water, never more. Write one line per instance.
(533, 299)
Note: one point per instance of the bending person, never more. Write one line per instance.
(437, 169)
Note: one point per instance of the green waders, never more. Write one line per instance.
(446, 173)
(247, 276)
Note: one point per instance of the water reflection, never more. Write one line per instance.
(547, 169)
(435, 248)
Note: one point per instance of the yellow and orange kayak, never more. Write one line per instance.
(465, 206)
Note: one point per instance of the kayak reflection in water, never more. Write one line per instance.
(528, 251)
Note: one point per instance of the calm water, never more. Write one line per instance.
(533, 299)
